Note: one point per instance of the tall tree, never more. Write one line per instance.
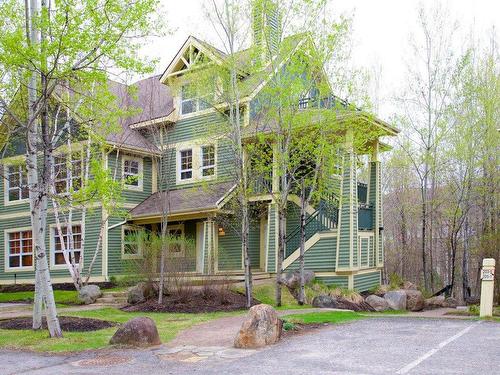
(45, 50)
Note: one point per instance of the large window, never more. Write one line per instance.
(131, 248)
(67, 173)
(186, 167)
(132, 171)
(191, 102)
(16, 183)
(207, 161)
(72, 244)
(20, 249)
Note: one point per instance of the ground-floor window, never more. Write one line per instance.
(20, 249)
(177, 247)
(72, 240)
(130, 248)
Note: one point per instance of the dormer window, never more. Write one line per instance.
(191, 102)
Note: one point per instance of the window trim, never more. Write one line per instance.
(7, 268)
(211, 166)
(179, 165)
(6, 187)
(197, 165)
(52, 244)
(140, 184)
(196, 100)
(182, 253)
(70, 157)
(129, 256)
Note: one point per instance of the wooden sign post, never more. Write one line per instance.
(487, 283)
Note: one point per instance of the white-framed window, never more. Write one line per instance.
(132, 168)
(16, 183)
(186, 164)
(130, 243)
(72, 240)
(207, 160)
(191, 102)
(19, 250)
(176, 248)
(65, 181)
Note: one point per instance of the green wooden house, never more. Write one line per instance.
(344, 236)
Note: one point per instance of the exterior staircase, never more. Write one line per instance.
(114, 298)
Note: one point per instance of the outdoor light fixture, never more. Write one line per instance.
(221, 231)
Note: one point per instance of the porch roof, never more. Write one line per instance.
(201, 198)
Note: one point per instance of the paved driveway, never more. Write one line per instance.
(371, 346)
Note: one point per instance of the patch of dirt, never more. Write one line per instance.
(55, 286)
(301, 329)
(68, 324)
(195, 302)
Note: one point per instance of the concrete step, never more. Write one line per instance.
(112, 300)
(115, 294)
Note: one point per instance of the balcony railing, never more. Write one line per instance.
(330, 102)
(260, 184)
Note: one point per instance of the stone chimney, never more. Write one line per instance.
(266, 27)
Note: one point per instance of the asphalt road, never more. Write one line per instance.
(371, 346)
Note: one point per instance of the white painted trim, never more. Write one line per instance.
(196, 168)
(139, 248)
(52, 243)
(8, 269)
(140, 176)
(6, 200)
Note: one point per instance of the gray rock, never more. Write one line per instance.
(408, 285)
(139, 293)
(451, 302)
(292, 281)
(414, 300)
(435, 302)
(139, 331)
(396, 299)
(378, 303)
(261, 327)
(324, 301)
(89, 294)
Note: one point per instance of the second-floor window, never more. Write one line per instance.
(192, 102)
(132, 172)
(17, 183)
(186, 166)
(72, 244)
(207, 161)
(67, 173)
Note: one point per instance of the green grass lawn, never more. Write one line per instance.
(169, 324)
(63, 297)
(333, 317)
(265, 294)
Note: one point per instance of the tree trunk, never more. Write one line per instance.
(302, 291)
(246, 257)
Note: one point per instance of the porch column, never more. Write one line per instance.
(347, 240)
(375, 201)
(209, 251)
(271, 252)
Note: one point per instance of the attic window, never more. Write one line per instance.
(191, 102)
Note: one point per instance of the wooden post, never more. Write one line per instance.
(487, 284)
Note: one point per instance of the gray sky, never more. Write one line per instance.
(381, 32)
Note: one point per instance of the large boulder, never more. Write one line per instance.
(292, 281)
(139, 331)
(451, 302)
(139, 293)
(435, 302)
(414, 300)
(89, 294)
(377, 303)
(396, 299)
(408, 285)
(324, 301)
(261, 327)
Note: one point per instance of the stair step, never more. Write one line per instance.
(115, 294)
(112, 300)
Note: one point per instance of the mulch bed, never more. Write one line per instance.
(195, 302)
(301, 329)
(56, 286)
(68, 324)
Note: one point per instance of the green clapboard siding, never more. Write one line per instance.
(271, 242)
(340, 281)
(320, 257)
(366, 281)
(91, 234)
(254, 245)
(364, 251)
(230, 256)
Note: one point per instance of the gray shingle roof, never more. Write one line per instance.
(199, 198)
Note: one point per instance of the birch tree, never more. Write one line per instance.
(46, 49)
